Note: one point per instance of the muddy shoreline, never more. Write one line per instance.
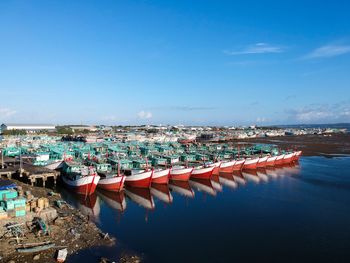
(327, 145)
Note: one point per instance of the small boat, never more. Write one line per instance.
(238, 165)
(139, 179)
(160, 176)
(279, 159)
(250, 163)
(141, 196)
(180, 173)
(81, 179)
(161, 191)
(288, 158)
(262, 162)
(111, 183)
(201, 172)
(227, 166)
(54, 164)
(271, 161)
(182, 188)
(297, 155)
(216, 166)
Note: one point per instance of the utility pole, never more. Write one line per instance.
(2, 159)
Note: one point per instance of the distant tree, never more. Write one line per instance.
(64, 130)
(14, 132)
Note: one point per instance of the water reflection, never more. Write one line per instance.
(203, 185)
(144, 197)
(162, 192)
(115, 200)
(182, 188)
(141, 196)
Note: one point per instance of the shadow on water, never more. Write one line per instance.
(224, 218)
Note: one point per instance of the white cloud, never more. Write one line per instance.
(6, 113)
(338, 112)
(328, 51)
(258, 48)
(144, 114)
(261, 119)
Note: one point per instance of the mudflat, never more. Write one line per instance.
(328, 145)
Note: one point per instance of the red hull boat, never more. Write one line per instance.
(160, 176)
(139, 179)
(250, 164)
(114, 184)
(202, 172)
(180, 173)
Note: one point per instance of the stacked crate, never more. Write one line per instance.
(11, 205)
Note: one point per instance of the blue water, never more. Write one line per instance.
(290, 214)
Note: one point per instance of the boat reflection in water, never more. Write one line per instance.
(215, 182)
(115, 200)
(161, 191)
(251, 175)
(181, 187)
(141, 196)
(261, 173)
(237, 175)
(89, 205)
(228, 180)
(203, 185)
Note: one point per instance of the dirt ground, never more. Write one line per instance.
(329, 145)
(71, 229)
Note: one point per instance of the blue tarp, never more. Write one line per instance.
(7, 184)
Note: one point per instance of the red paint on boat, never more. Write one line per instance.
(202, 173)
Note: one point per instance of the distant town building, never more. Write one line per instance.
(27, 127)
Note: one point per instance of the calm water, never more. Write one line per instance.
(297, 213)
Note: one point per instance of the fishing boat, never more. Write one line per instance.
(111, 182)
(250, 163)
(271, 161)
(216, 166)
(202, 172)
(227, 166)
(139, 179)
(279, 159)
(180, 173)
(288, 158)
(297, 155)
(262, 162)
(238, 165)
(80, 178)
(160, 176)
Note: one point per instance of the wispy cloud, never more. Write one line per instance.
(6, 113)
(321, 113)
(185, 108)
(258, 48)
(144, 115)
(328, 51)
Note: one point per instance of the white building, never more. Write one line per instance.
(27, 127)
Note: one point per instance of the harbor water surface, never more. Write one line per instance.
(291, 214)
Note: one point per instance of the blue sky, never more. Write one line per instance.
(189, 62)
